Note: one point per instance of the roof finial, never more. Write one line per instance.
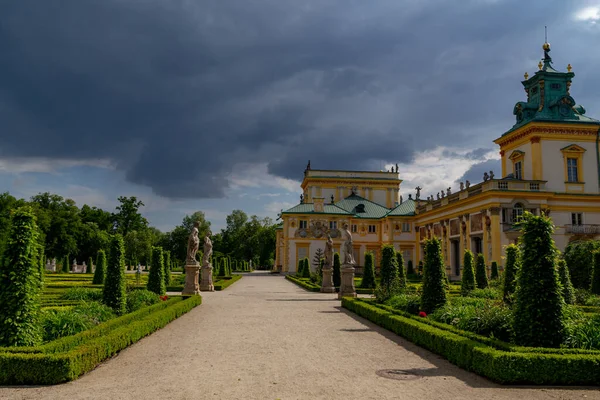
(569, 68)
(546, 47)
(526, 76)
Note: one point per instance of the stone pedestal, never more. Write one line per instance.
(327, 284)
(191, 288)
(347, 286)
(206, 284)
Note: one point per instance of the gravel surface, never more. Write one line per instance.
(265, 338)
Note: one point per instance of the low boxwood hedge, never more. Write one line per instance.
(67, 358)
(493, 359)
(223, 284)
(303, 283)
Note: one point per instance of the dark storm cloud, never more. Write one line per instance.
(177, 92)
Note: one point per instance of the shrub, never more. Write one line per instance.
(299, 269)
(82, 294)
(434, 277)
(568, 292)
(401, 270)
(411, 303)
(468, 274)
(595, 285)
(156, 279)
(137, 299)
(494, 274)
(20, 282)
(510, 273)
(389, 266)
(306, 269)
(384, 293)
(580, 260)
(481, 273)
(420, 267)
(584, 333)
(539, 303)
(100, 268)
(487, 293)
(368, 280)
(65, 268)
(337, 279)
(409, 268)
(67, 322)
(167, 269)
(114, 285)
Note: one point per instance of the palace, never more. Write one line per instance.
(550, 164)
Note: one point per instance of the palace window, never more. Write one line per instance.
(332, 225)
(572, 175)
(372, 229)
(519, 170)
(354, 228)
(577, 218)
(303, 224)
(517, 212)
(518, 159)
(406, 227)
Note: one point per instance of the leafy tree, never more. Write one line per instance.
(389, 266)
(595, 286)
(100, 272)
(579, 258)
(468, 276)
(156, 277)
(114, 294)
(434, 277)
(568, 292)
(510, 273)
(401, 270)
(538, 315)
(128, 217)
(59, 222)
(368, 280)
(481, 272)
(337, 278)
(96, 216)
(20, 282)
(409, 268)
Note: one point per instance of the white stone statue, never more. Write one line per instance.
(328, 253)
(347, 256)
(193, 244)
(207, 249)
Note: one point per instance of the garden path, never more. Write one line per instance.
(265, 338)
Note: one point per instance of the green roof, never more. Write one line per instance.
(371, 210)
(308, 208)
(406, 208)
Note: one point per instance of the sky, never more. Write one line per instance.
(212, 105)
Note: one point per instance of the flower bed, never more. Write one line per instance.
(496, 360)
(69, 357)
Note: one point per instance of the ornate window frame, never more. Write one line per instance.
(516, 157)
(573, 151)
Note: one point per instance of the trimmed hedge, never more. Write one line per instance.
(67, 358)
(225, 283)
(512, 365)
(303, 284)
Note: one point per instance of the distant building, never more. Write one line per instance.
(550, 164)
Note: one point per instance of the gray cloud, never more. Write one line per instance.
(176, 93)
(475, 173)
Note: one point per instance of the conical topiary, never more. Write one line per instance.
(568, 292)
(65, 268)
(468, 274)
(368, 280)
(89, 265)
(409, 268)
(510, 273)
(221, 262)
(389, 266)
(595, 286)
(494, 274)
(156, 278)
(300, 267)
(167, 271)
(434, 277)
(337, 278)
(100, 271)
(401, 270)
(306, 269)
(481, 273)
(114, 294)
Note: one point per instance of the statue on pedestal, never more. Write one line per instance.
(207, 249)
(193, 244)
(328, 253)
(347, 256)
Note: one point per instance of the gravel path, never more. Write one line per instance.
(265, 338)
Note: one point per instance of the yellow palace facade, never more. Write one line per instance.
(550, 164)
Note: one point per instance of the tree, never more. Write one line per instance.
(156, 277)
(595, 285)
(401, 270)
(368, 280)
(90, 264)
(494, 275)
(481, 272)
(538, 315)
(389, 266)
(468, 275)
(100, 272)
(306, 270)
(66, 265)
(20, 282)
(128, 217)
(337, 278)
(409, 268)
(222, 271)
(510, 273)
(167, 273)
(434, 277)
(568, 292)
(319, 254)
(114, 294)
(579, 258)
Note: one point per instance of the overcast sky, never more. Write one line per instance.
(217, 105)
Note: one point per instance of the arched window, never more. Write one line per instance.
(517, 212)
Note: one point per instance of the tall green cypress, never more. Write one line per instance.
(221, 262)
(20, 282)
(468, 274)
(510, 273)
(156, 277)
(401, 270)
(481, 273)
(568, 292)
(167, 272)
(114, 294)
(494, 274)
(100, 271)
(65, 265)
(409, 268)
(337, 277)
(434, 277)
(299, 270)
(306, 270)
(389, 266)
(368, 280)
(538, 311)
(595, 286)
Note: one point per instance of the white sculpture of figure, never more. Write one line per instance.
(207, 249)
(328, 253)
(347, 257)
(193, 244)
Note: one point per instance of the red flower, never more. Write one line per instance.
(164, 298)
(422, 314)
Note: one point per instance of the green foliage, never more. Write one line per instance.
(100, 271)
(538, 317)
(20, 282)
(306, 284)
(82, 294)
(580, 260)
(584, 333)
(300, 268)
(411, 303)
(337, 278)
(114, 294)
(156, 278)
(568, 292)
(137, 299)
(319, 255)
(306, 269)
(368, 280)
(167, 269)
(510, 273)
(89, 264)
(389, 266)
(481, 273)
(487, 293)
(434, 277)
(595, 285)
(60, 323)
(222, 268)
(468, 274)
(409, 268)
(494, 274)
(401, 270)
(66, 265)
